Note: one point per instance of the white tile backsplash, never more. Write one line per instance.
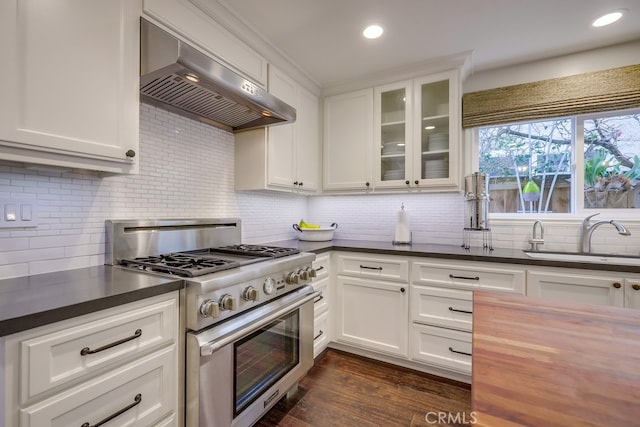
(186, 171)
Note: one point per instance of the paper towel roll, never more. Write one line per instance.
(403, 235)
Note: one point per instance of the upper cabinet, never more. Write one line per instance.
(282, 157)
(348, 133)
(70, 83)
(194, 21)
(413, 142)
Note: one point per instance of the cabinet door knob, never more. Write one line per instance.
(635, 287)
(367, 184)
(295, 182)
(416, 182)
(407, 182)
(402, 290)
(617, 285)
(300, 184)
(130, 153)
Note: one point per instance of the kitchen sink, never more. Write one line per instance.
(583, 257)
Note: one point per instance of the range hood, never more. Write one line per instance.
(180, 78)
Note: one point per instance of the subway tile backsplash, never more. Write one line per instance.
(186, 171)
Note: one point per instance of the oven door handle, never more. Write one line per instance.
(208, 348)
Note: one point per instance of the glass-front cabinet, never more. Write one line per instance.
(392, 139)
(416, 140)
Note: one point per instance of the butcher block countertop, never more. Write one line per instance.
(545, 363)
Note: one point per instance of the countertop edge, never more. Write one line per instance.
(506, 256)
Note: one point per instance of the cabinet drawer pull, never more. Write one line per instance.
(460, 311)
(617, 285)
(370, 268)
(451, 276)
(87, 350)
(320, 298)
(459, 352)
(636, 287)
(319, 335)
(136, 401)
(320, 268)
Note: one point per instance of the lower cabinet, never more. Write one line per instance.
(579, 286)
(322, 321)
(442, 347)
(441, 310)
(373, 314)
(119, 364)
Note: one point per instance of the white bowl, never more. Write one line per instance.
(322, 234)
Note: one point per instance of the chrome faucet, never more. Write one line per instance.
(588, 228)
(535, 241)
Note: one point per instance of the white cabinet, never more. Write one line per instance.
(348, 133)
(322, 313)
(399, 136)
(590, 287)
(416, 140)
(85, 369)
(441, 311)
(196, 22)
(372, 310)
(632, 293)
(282, 157)
(70, 83)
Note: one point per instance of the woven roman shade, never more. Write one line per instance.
(614, 89)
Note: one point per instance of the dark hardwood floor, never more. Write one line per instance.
(348, 390)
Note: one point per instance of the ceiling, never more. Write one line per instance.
(323, 37)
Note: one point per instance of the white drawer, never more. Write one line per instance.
(152, 377)
(441, 347)
(321, 303)
(451, 308)
(320, 333)
(372, 266)
(321, 265)
(55, 358)
(469, 276)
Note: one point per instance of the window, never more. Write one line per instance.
(563, 165)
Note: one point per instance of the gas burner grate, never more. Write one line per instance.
(258, 250)
(180, 264)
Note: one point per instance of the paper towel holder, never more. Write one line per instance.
(400, 237)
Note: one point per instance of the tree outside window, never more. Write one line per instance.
(530, 164)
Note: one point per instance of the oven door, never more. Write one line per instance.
(238, 370)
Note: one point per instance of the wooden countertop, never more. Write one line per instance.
(544, 363)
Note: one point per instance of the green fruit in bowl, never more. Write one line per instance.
(303, 224)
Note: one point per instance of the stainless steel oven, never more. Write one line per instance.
(247, 312)
(241, 368)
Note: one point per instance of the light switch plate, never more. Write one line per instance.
(18, 213)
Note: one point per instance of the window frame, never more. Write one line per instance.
(577, 190)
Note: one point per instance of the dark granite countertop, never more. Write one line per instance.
(508, 256)
(32, 301)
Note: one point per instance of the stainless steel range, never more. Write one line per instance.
(248, 312)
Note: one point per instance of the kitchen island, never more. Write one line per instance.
(538, 362)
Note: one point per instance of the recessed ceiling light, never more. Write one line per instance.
(608, 18)
(373, 31)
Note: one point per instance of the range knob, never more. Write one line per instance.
(304, 275)
(210, 308)
(269, 285)
(250, 294)
(312, 272)
(227, 302)
(292, 278)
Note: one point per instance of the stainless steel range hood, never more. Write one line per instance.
(178, 77)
